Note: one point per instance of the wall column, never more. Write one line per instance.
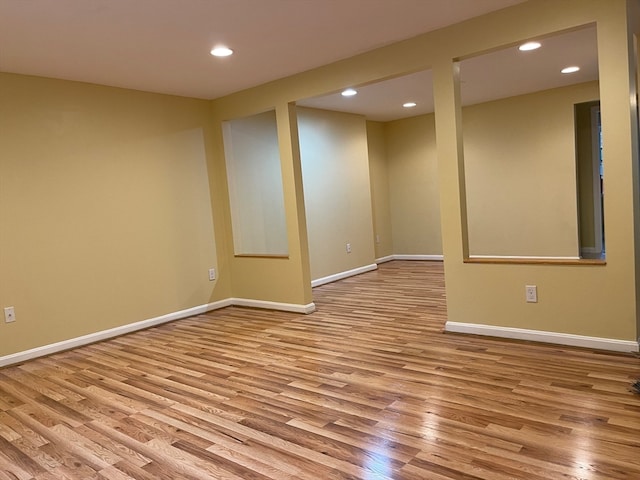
(294, 198)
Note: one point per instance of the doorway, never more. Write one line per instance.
(590, 176)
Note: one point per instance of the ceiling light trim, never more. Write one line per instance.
(529, 46)
(221, 51)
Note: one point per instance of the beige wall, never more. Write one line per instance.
(586, 175)
(337, 196)
(594, 301)
(104, 207)
(572, 299)
(505, 174)
(255, 185)
(413, 186)
(379, 175)
(520, 173)
(633, 14)
(284, 280)
(106, 213)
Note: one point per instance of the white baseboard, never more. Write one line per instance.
(542, 336)
(380, 260)
(367, 268)
(110, 333)
(418, 257)
(151, 322)
(339, 276)
(523, 257)
(285, 307)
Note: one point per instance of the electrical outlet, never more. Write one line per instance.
(377, 238)
(9, 314)
(348, 248)
(212, 274)
(531, 293)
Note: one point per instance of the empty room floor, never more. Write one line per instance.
(367, 387)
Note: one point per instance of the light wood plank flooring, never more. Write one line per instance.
(368, 387)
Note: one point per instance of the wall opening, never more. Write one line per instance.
(254, 176)
(590, 175)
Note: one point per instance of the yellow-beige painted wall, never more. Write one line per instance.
(633, 18)
(595, 301)
(104, 206)
(520, 173)
(379, 175)
(113, 202)
(283, 280)
(413, 186)
(585, 153)
(252, 159)
(337, 192)
(534, 164)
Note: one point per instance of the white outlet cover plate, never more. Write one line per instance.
(531, 292)
(9, 315)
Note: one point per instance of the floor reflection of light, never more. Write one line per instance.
(377, 466)
(430, 426)
(582, 460)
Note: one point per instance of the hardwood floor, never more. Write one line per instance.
(368, 387)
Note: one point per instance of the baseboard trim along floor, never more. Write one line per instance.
(151, 322)
(342, 275)
(598, 343)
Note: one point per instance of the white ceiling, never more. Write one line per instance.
(163, 46)
(503, 73)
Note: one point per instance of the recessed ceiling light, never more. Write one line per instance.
(570, 70)
(409, 104)
(526, 47)
(349, 92)
(221, 52)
